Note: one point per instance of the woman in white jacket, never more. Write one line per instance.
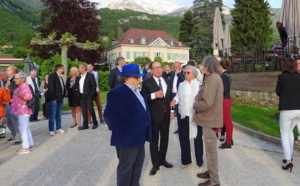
(187, 91)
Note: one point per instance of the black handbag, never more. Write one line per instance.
(31, 103)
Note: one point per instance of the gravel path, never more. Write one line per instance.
(86, 158)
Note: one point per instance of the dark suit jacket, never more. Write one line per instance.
(126, 117)
(114, 78)
(288, 90)
(12, 87)
(74, 87)
(145, 72)
(55, 91)
(89, 87)
(158, 107)
(180, 76)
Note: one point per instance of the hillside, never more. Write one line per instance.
(112, 19)
(15, 22)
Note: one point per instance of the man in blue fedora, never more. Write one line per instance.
(128, 117)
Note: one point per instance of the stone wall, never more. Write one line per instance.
(256, 89)
(263, 99)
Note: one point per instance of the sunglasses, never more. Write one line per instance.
(188, 73)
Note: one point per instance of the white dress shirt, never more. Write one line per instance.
(81, 83)
(163, 84)
(174, 89)
(136, 91)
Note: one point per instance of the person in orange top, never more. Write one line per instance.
(4, 98)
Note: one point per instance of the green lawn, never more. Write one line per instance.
(257, 118)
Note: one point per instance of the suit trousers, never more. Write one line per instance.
(130, 165)
(12, 121)
(36, 110)
(86, 103)
(210, 141)
(159, 131)
(99, 106)
(184, 140)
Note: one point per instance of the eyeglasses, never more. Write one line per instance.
(188, 73)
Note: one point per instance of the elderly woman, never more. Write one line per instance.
(185, 98)
(72, 86)
(45, 102)
(288, 90)
(19, 107)
(209, 115)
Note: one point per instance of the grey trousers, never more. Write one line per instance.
(130, 165)
(210, 141)
(12, 121)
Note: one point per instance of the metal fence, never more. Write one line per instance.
(262, 56)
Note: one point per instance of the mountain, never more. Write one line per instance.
(125, 19)
(30, 4)
(180, 12)
(152, 7)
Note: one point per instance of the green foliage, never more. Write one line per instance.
(186, 26)
(251, 23)
(203, 19)
(20, 65)
(112, 19)
(103, 80)
(157, 58)
(142, 61)
(165, 63)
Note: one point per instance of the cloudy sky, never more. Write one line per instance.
(273, 3)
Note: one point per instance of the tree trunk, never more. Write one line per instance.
(64, 59)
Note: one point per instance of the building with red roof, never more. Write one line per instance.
(147, 43)
(9, 59)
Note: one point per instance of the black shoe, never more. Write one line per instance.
(231, 142)
(17, 143)
(10, 139)
(153, 170)
(72, 126)
(176, 132)
(222, 139)
(288, 167)
(82, 128)
(166, 164)
(225, 146)
(2, 136)
(95, 126)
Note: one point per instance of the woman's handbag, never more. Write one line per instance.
(31, 103)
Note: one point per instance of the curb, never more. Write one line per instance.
(262, 136)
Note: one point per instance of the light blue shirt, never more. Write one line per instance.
(136, 91)
(96, 78)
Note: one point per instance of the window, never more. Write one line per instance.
(159, 54)
(128, 55)
(119, 54)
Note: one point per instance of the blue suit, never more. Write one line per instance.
(126, 117)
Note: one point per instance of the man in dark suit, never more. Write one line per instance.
(145, 71)
(158, 94)
(128, 117)
(87, 90)
(114, 73)
(176, 78)
(56, 93)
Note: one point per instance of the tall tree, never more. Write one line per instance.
(186, 26)
(202, 32)
(251, 21)
(78, 17)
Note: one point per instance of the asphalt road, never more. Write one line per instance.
(86, 158)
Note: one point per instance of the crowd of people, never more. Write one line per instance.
(200, 99)
(16, 89)
(138, 112)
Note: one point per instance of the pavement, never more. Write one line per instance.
(84, 158)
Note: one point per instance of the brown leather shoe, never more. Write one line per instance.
(208, 183)
(203, 175)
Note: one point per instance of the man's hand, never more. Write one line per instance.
(172, 104)
(54, 101)
(159, 94)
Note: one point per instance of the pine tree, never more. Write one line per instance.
(186, 26)
(251, 24)
(203, 19)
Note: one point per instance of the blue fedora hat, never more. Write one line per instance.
(131, 70)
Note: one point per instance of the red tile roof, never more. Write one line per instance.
(7, 56)
(150, 35)
(10, 61)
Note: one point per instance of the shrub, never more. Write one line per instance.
(157, 58)
(103, 80)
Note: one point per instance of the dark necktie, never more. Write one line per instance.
(159, 84)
